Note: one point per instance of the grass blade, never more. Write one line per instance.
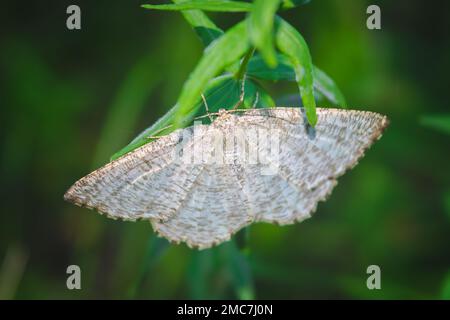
(290, 42)
(240, 271)
(260, 28)
(205, 5)
(437, 122)
(126, 108)
(156, 248)
(199, 273)
(326, 86)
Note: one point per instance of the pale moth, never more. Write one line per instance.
(201, 184)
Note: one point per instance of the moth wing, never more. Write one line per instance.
(215, 209)
(149, 182)
(307, 161)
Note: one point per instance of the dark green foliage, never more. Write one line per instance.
(440, 123)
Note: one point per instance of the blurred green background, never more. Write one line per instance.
(70, 99)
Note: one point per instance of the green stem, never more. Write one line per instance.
(156, 247)
(243, 67)
(242, 241)
(240, 269)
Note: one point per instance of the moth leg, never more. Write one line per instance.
(242, 96)
(206, 107)
(256, 100)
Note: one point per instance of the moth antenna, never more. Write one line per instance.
(156, 136)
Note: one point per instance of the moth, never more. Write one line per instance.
(202, 184)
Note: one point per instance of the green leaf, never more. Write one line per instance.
(203, 26)
(292, 44)
(258, 68)
(240, 271)
(225, 92)
(220, 54)
(288, 4)
(199, 273)
(437, 122)
(222, 93)
(156, 248)
(323, 84)
(326, 86)
(205, 5)
(260, 28)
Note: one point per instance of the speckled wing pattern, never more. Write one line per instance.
(204, 203)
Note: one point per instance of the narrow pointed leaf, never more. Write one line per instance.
(437, 122)
(156, 248)
(126, 108)
(205, 5)
(326, 86)
(240, 270)
(290, 42)
(199, 273)
(226, 50)
(204, 27)
(261, 22)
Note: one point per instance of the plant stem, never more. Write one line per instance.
(240, 269)
(243, 67)
(156, 247)
(242, 241)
